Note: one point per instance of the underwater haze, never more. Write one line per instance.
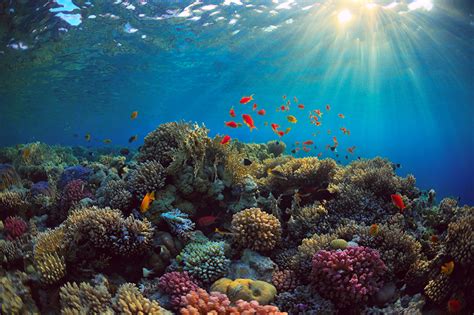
(271, 156)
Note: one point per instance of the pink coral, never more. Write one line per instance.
(177, 284)
(348, 277)
(200, 302)
(15, 227)
(73, 192)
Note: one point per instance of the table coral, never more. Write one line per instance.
(348, 277)
(256, 229)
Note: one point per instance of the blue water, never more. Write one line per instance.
(402, 76)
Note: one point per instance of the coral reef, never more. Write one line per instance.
(148, 177)
(14, 227)
(177, 284)
(245, 289)
(256, 229)
(8, 176)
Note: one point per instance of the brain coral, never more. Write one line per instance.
(245, 289)
(256, 229)
(149, 176)
(348, 277)
(205, 261)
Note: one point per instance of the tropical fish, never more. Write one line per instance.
(282, 108)
(132, 138)
(306, 149)
(318, 123)
(247, 162)
(284, 97)
(351, 149)
(248, 121)
(232, 112)
(207, 220)
(124, 151)
(107, 141)
(292, 119)
(308, 142)
(254, 107)
(341, 116)
(225, 140)
(318, 112)
(434, 238)
(146, 272)
(328, 107)
(281, 133)
(146, 202)
(329, 131)
(277, 174)
(87, 137)
(295, 99)
(287, 130)
(454, 306)
(261, 112)
(398, 201)
(374, 229)
(334, 139)
(320, 154)
(134, 115)
(275, 127)
(447, 268)
(301, 106)
(293, 151)
(246, 99)
(265, 123)
(231, 124)
(222, 232)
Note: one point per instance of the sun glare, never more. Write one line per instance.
(344, 16)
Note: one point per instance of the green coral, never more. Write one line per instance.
(205, 260)
(338, 243)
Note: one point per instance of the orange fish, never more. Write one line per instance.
(341, 115)
(225, 140)
(306, 149)
(398, 201)
(281, 133)
(447, 268)
(318, 123)
(134, 115)
(254, 107)
(231, 124)
(351, 149)
(454, 306)
(248, 121)
(301, 106)
(374, 229)
(309, 142)
(206, 220)
(275, 127)
(318, 112)
(246, 99)
(146, 202)
(261, 112)
(334, 139)
(287, 130)
(328, 108)
(284, 97)
(232, 112)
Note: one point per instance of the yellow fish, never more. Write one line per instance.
(221, 232)
(447, 268)
(88, 137)
(292, 119)
(134, 115)
(374, 229)
(146, 202)
(107, 141)
(287, 130)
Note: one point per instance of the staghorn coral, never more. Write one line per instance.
(85, 299)
(15, 295)
(245, 289)
(130, 301)
(15, 227)
(177, 284)
(114, 194)
(348, 277)
(256, 229)
(148, 177)
(51, 267)
(205, 261)
(8, 177)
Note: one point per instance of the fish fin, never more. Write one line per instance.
(152, 195)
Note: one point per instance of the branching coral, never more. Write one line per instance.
(256, 229)
(15, 227)
(177, 284)
(73, 192)
(15, 295)
(8, 176)
(309, 247)
(205, 261)
(12, 202)
(348, 277)
(304, 300)
(130, 301)
(148, 177)
(85, 299)
(307, 220)
(51, 267)
(114, 194)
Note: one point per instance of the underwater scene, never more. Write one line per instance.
(236, 157)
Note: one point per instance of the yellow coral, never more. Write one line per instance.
(49, 242)
(245, 289)
(130, 301)
(10, 301)
(256, 229)
(51, 267)
(85, 299)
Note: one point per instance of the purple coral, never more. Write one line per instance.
(15, 227)
(177, 284)
(74, 192)
(348, 277)
(42, 188)
(72, 173)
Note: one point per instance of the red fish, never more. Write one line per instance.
(275, 127)
(319, 154)
(398, 201)
(261, 112)
(318, 123)
(254, 107)
(301, 106)
(225, 140)
(231, 124)
(328, 108)
(309, 142)
(206, 220)
(341, 116)
(318, 112)
(306, 149)
(454, 306)
(284, 97)
(334, 139)
(281, 133)
(351, 149)
(282, 108)
(248, 121)
(246, 99)
(232, 112)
